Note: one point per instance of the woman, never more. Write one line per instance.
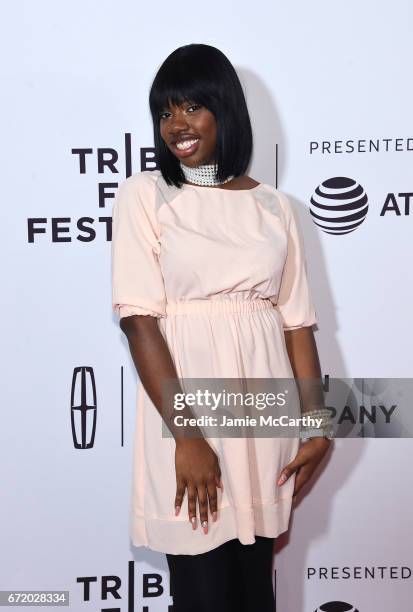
(209, 280)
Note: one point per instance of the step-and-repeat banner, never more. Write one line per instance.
(329, 92)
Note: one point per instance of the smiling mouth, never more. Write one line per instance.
(185, 148)
(184, 145)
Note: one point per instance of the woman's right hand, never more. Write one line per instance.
(197, 469)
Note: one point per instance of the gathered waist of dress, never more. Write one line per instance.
(217, 306)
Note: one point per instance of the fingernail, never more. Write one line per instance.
(177, 509)
(193, 521)
(205, 526)
(282, 479)
(214, 515)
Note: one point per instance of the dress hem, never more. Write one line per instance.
(174, 536)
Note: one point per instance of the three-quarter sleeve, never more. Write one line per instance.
(137, 281)
(294, 298)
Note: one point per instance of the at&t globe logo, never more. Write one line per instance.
(337, 606)
(339, 205)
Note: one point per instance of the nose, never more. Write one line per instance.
(177, 122)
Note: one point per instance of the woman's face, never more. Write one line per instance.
(181, 125)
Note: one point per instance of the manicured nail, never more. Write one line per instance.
(214, 515)
(205, 526)
(193, 521)
(177, 509)
(282, 479)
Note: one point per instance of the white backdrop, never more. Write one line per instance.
(76, 76)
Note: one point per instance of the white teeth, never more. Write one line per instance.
(186, 144)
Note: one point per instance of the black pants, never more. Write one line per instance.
(234, 577)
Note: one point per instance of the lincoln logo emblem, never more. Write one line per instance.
(83, 407)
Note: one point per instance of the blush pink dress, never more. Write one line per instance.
(224, 272)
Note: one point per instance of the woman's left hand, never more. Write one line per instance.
(308, 457)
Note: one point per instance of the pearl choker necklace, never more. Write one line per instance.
(202, 175)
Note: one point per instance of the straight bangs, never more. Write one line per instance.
(177, 89)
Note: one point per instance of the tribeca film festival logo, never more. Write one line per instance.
(121, 595)
(65, 228)
(339, 205)
(83, 407)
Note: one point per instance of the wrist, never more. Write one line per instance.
(185, 441)
(326, 439)
(317, 423)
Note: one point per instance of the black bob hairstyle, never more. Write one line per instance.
(203, 74)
